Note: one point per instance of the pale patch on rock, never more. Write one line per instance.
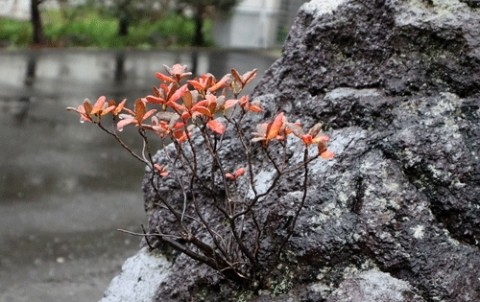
(418, 231)
(141, 274)
(321, 7)
(345, 92)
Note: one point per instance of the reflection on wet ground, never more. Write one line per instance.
(64, 187)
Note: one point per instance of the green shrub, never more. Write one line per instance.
(87, 27)
(15, 32)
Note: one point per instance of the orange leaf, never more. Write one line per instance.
(220, 84)
(216, 126)
(244, 101)
(180, 135)
(327, 155)
(249, 76)
(236, 75)
(274, 128)
(315, 130)
(161, 170)
(179, 109)
(296, 129)
(163, 77)
(197, 85)
(139, 110)
(119, 107)
(121, 124)
(212, 103)
(321, 139)
(254, 108)
(186, 115)
(230, 176)
(233, 176)
(98, 106)
(154, 100)
(178, 93)
(87, 107)
(149, 113)
(187, 99)
(307, 139)
(202, 110)
(239, 172)
(209, 80)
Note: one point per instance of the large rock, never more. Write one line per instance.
(396, 215)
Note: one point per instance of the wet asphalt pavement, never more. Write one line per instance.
(65, 187)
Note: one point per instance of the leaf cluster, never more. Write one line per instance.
(181, 110)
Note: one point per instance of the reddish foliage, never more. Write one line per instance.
(203, 106)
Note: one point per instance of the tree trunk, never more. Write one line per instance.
(36, 20)
(123, 24)
(198, 38)
(124, 11)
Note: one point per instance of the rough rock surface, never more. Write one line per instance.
(396, 215)
(139, 278)
(373, 286)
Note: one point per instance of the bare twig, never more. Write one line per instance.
(123, 144)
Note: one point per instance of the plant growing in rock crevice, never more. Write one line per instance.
(218, 218)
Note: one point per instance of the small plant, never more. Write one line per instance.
(225, 228)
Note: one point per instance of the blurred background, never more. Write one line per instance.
(65, 187)
(146, 23)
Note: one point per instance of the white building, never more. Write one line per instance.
(20, 9)
(255, 23)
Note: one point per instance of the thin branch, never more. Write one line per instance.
(291, 227)
(179, 180)
(148, 234)
(123, 144)
(230, 218)
(146, 238)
